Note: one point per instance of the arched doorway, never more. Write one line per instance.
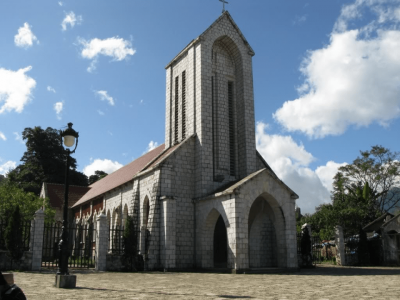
(262, 235)
(220, 244)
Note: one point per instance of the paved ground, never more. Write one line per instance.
(319, 283)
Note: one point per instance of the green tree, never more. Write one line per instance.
(13, 235)
(44, 161)
(351, 208)
(380, 169)
(12, 196)
(97, 176)
(130, 245)
(362, 191)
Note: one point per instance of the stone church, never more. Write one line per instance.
(206, 198)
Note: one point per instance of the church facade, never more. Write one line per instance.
(206, 198)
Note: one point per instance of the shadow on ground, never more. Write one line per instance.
(348, 271)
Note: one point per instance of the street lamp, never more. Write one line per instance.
(69, 135)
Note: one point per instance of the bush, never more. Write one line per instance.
(13, 235)
(130, 254)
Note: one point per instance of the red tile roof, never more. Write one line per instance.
(161, 157)
(55, 192)
(122, 175)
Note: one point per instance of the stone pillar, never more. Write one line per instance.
(37, 240)
(101, 243)
(339, 242)
(291, 236)
(168, 210)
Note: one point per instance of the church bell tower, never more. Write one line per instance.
(209, 94)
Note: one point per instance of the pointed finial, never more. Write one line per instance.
(223, 5)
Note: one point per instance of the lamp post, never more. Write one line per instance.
(69, 135)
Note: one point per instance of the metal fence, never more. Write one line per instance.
(25, 234)
(381, 250)
(316, 248)
(116, 240)
(81, 245)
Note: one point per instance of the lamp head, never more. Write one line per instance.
(69, 135)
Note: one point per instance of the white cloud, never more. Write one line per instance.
(105, 165)
(152, 145)
(101, 113)
(25, 37)
(70, 19)
(104, 96)
(290, 161)
(18, 138)
(15, 89)
(115, 47)
(60, 3)
(299, 19)
(354, 80)
(327, 172)
(58, 107)
(7, 166)
(50, 89)
(2, 136)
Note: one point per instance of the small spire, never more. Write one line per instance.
(223, 5)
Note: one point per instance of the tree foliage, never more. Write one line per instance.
(352, 210)
(130, 245)
(13, 235)
(362, 191)
(12, 196)
(97, 176)
(44, 161)
(380, 169)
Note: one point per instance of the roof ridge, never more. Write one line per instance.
(121, 176)
(63, 184)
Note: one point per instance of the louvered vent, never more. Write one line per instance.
(176, 108)
(231, 129)
(183, 105)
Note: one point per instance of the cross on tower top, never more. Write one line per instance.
(223, 5)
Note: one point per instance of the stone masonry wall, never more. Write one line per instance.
(262, 243)
(224, 32)
(149, 189)
(177, 184)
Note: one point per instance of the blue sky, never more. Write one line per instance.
(326, 78)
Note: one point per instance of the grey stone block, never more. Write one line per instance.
(65, 281)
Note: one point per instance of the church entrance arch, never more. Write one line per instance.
(265, 232)
(215, 244)
(220, 244)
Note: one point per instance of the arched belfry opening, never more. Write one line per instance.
(227, 100)
(220, 244)
(263, 245)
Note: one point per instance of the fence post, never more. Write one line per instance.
(37, 237)
(339, 242)
(101, 243)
